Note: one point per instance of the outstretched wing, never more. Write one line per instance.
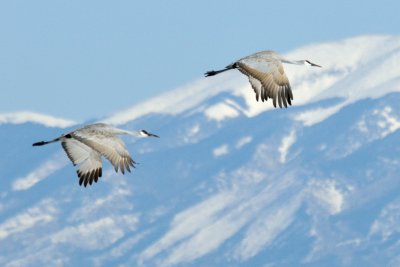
(110, 147)
(89, 160)
(268, 80)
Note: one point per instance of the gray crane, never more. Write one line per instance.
(86, 145)
(266, 75)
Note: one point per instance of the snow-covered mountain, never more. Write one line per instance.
(231, 182)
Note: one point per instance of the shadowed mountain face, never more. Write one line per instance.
(231, 182)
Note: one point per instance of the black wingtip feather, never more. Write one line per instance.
(91, 177)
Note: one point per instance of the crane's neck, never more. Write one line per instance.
(141, 133)
(131, 133)
(300, 62)
(295, 62)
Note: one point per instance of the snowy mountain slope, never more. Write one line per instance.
(231, 182)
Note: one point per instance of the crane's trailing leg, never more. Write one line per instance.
(215, 72)
(41, 143)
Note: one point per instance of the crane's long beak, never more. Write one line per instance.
(149, 134)
(311, 64)
(315, 65)
(154, 135)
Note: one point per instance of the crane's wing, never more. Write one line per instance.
(268, 80)
(110, 147)
(89, 160)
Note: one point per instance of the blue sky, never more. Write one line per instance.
(86, 59)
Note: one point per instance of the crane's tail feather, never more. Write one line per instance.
(41, 143)
(215, 72)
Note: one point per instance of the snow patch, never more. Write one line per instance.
(194, 130)
(120, 249)
(191, 133)
(221, 150)
(265, 229)
(311, 117)
(388, 222)
(220, 112)
(329, 196)
(243, 141)
(379, 123)
(189, 222)
(287, 142)
(389, 123)
(42, 172)
(40, 214)
(97, 234)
